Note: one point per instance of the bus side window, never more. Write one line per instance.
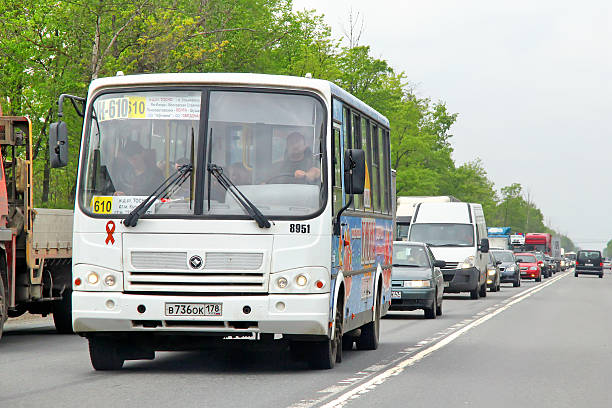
(375, 168)
(366, 145)
(346, 129)
(356, 143)
(337, 169)
(383, 173)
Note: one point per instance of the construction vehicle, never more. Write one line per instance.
(35, 243)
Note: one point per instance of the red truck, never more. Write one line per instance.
(541, 242)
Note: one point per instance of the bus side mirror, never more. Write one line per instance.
(354, 171)
(484, 245)
(58, 145)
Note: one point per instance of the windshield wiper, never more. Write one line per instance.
(174, 181)
(228, 185)
(408, 265)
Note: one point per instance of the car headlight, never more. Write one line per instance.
(417, 284)
(533, 268)
(491, 272)
(468, 263)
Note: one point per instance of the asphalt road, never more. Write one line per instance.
(539, 345)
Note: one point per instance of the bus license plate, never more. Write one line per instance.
(194, 309)
(395, 294)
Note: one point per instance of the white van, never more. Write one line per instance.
(456, 234)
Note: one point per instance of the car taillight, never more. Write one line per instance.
(601, 264)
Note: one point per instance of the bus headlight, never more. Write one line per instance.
(88, 277)
(300, 280)
(93, 278)
(282, 282)
(109, 280)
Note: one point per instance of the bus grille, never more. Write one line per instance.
(234, 272)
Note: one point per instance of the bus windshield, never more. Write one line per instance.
(268, 144)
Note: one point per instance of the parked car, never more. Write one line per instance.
(530, 268)
(542, 264)
(589, 263)
(493, 274)
(508, 268)
(416, 279)
(457, 234)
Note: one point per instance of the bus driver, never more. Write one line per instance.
(298, 164)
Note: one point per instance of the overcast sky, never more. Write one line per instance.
(530, 80)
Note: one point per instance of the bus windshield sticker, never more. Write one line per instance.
(149, 107)
(117, 204)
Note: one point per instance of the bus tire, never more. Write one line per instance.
(475, 294)
(105, 354)
(3, 306)
(62, 313)
(483, 290)
(325, 354)
(370, 333)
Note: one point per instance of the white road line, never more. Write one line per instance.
(399, 367)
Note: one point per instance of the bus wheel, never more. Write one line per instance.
(62, 313)
(105, 354)
(370, 333)
(3, 306)
(325, 354)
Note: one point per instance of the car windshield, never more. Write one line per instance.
(503, 256)
(268, 144)
(526, 258)
(443, 234)
(410, 255)
(589, 256)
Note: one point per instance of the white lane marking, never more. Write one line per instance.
(399, 367)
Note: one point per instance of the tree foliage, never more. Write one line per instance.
(49, 47)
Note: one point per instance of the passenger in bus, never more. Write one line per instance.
(298, 165)
(138, 172)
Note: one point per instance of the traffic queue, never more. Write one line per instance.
(444, 246)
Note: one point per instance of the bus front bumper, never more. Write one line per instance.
(276, 314)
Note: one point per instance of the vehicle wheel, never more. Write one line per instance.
(431, 312)
(3, 306)
(493, 288)
(105, 354)
(370, 333)
(475, 294)
(62, 313)
(325, 354)
(575, 274)
(601, 275)
(516, 283)
(498, 287)
(439, 309)
(539, 279)
(483, 290)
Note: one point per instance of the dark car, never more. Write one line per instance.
(589, 263)
(508, 268)
(416, 279)
(493, 274)
(546, 273)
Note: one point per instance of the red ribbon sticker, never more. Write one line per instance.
(110, 230)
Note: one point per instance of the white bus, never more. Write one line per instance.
(212, 206)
